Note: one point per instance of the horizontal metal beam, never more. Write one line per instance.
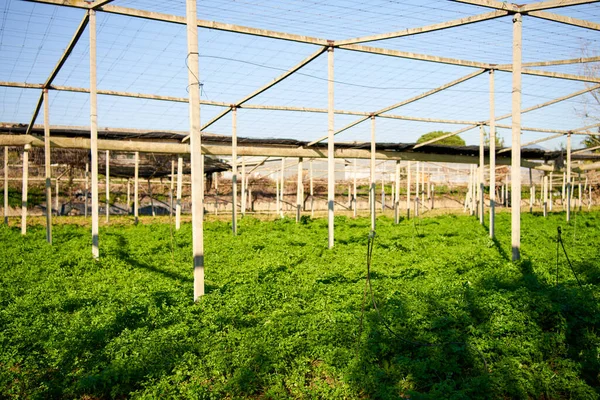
(415, 56)
(131, 12)
(429, 28)
(246, 150)
(544, 5)
(565, 20)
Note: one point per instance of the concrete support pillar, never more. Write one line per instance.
(569, 188)
(312, 193)
(330, 149)
(24, 189)
(299, 191)
(408, 199)
(397, 193)
(244, 191)
(136, 188)
(372, 175)
(282, 186)
(94, 133)
(179, 192)
(107, 185)
(6, 185)
(492, 156)
(354, 195)
(516, 139)
(47, 168)
(481, 174)
(234, 177)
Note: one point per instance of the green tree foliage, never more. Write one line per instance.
(449, 141)
(499, 141)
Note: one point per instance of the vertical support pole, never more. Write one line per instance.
(397, 193)
(197, 175)
(312, 198)
(136, 188)
(244, 191)
(276, 194)
(531, 192)
(550, 191)
(57, 206)
(408, 200)
(179, 190)
(107, 185)
(579, 187)
(87, 189)
(299, 191)
(47, 168)
(24, 189)
(282, 185)
(568, 178)
(171, 187)
(234, 170)
(516, 139)
(354, 197)
(330, 149)
(545, 195)
(216, 180)
(6, 185)
(481, 174)
(94, 132)
(492, 156)
(372, 174)
(417, 190)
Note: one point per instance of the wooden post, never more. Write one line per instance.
(516, 139)
(492, 156)
(330, 150)
(372, 175)
(234, 170)
(171, 187)
(195, 148)
(299, 191)
(354, 197)
(136, 184)
(282, 186)
(408, 200)
(87, 188)
(6, 185)
(107, 185)
(312, 198)
(244, 189)
(94, 133)
(47, 168)
(179, 192)
(24, 189)
(568, 178)
(397, 193)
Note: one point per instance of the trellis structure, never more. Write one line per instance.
(309, 149)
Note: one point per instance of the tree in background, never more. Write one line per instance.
(499, 140)
(449, 141)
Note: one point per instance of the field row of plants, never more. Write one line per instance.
(285, 317)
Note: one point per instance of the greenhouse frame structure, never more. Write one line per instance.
(200, 144)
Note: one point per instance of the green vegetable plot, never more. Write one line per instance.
(284, 317)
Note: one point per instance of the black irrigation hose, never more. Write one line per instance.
(560, 241)
(370, 245)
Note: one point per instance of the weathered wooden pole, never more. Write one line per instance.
(47, 168)
(354, 196)
(282, 186)
(179, 192)
(94, 133)
(24, 189)
(397, 194)
(568, 178)
(516, 139)
(87, 188)
(330, 150)
(299, 191)
(136, 187)
(408, 199)
(197, 175)
(6, 185)
(107, 185)
(234, 170)
(492, 156)
(372, 175)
